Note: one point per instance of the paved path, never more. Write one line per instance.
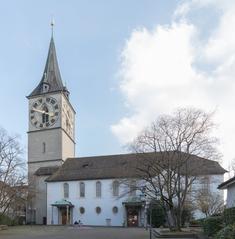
(61, 232)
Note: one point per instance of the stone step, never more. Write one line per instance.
(3, 227)
(188, 235)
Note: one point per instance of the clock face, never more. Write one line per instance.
(68, 120)
(44, 112)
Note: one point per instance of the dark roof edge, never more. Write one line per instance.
(101, 178)
(227, 183)
(85, 179)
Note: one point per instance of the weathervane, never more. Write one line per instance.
(52, 26)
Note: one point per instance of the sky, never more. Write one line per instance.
(125, 62)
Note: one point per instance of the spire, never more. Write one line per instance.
(51, 74)
(52, 27)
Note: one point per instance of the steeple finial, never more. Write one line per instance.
(52, 27)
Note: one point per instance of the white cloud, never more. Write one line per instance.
(159, 73)
(187, 6)
(221, 44)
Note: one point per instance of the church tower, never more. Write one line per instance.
(50, 136)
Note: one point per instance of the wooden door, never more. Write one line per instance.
(64, 216)
(132, 217)
(64, 219)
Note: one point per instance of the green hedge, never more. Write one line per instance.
(158, 215)
(226, 233)
(198, 222)
(5, 220)
(229, 215)
(212, 225)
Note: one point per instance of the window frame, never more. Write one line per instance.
(132, 188)
(82, 190)
(98, 189)
(66, 190)
(116, 187)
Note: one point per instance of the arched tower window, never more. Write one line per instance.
(82, 189)
(98, 189)
(66, 190)
(44, 147)
(45, 117)
(115, 188)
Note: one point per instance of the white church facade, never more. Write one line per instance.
(64, 189)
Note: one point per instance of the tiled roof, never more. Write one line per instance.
(124, 166)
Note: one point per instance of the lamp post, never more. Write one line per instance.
(150, 221)
(148, 206)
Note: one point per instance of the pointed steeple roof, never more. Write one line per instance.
(51, 74)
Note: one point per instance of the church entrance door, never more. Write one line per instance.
(65, 216)
(132, 216)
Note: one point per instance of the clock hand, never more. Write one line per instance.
(50, 114)
(44, 112)
(40, 111)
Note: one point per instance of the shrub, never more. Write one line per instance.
(186, 216)
(158, 216)
(5, 220)
(212, 225)
(226, 233)
(229, 215)
(198, 222)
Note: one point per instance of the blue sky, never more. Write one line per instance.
(89, 36)
(124, 62)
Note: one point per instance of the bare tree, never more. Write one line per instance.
(12, 169)
(231, 168)
(209, 203)
(171, 150)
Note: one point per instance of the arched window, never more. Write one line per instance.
(82, 189)
(132, 188)
(115, 188)
(66, 190)
(98, 189)
(45, 116)
(44, 147)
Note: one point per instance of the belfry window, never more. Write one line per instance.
(45, 116)
(66, 190)
(45, 88)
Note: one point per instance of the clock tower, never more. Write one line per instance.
(50, 136)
